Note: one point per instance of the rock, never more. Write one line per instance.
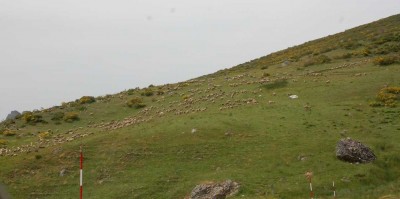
(352, 151)
(215, 190)
(62, 172)
(293, 96)
(13, 115)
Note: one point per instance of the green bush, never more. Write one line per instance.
(136, 103)
(87, 100)
(71, 117)
(321, 59)
(130, 91)
(147, 92)
(57, 116)
(80, 107)
(279, 83)
(344, 56)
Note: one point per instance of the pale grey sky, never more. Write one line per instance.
(59, 50)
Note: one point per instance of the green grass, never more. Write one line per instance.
(258, 144)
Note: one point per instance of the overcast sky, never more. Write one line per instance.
(59, 50)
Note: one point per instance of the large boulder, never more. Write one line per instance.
(215, 190)
(352, 151)
(13, 115)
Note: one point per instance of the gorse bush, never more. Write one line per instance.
(32, 118)
(266, 74)
(384, 61)
(71, 117)
(8, 132)
(87, 100)
(387, 97)
(3, 142)
(44, 135)
(136, 103)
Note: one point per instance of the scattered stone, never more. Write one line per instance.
(194, 130)
(215, 190)
(293, 96)
(301, 157)
(352, 151)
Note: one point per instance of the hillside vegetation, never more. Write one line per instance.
(238, 123)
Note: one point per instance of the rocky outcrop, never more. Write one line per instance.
(215, 190)
(352, 151)
(13, 115)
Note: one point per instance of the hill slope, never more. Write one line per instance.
(238, 123)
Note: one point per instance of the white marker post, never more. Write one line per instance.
(334, 190)
(81, 174)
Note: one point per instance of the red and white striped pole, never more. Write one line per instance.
(309, 176)
(81, 174)
(334, 190)
(311, 191)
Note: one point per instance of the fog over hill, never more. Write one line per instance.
(59, 51)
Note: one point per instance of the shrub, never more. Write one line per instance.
(130, 91)
(387, 97)
(9, 132)
(147, 92)
(350, 45)
(266, 74)
(136, 103)
(344, 56)
(321, 59)
(57, 116)
(384, 61)
(3, 142)
(44, 135)
(87, 100)
(279, 83)
(71, 117)
(365, 52)
(31, 118)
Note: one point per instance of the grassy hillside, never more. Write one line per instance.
(238, 123)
